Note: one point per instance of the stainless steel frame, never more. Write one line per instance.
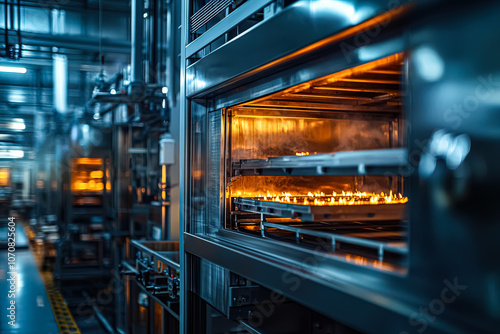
(446, 251)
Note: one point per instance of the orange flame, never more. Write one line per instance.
(345, 198)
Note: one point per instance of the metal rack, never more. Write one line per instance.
(380, 238)
(382, 247)
(369, 162)
(321, 212)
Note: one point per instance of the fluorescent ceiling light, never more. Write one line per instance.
(11, 154)
(12, 69)
(17, 126)
(14, 124)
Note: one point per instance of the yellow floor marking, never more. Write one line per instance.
(64, 318)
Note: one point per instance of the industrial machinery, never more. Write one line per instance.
(154, 287)
(316, 136)
(115, 172)
(140, 107)
(83, 250)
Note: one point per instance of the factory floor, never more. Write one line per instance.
(38, 307)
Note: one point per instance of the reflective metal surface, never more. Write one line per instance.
(450, 106)
(318, 21)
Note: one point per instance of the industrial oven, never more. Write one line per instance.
(85, 166)
(88, 181)
(325, 167)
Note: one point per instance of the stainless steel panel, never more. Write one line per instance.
(339, 294)
(214, 191)
(214, 285)
(294, 28)
(198, 165)
(453, 231)
(277, 78)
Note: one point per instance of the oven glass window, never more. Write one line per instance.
(323, 162)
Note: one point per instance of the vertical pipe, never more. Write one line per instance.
(155, 23)
(171, 30)
(183, 188)
(19, 27)
(11, 15)
(161, 40)
(6, 12)
(137, 31)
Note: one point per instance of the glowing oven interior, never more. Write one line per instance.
(88, 181)
(324, 161)
(4, 177)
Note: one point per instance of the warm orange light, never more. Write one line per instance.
(323, 82)
(108, 185)
(344, 198)
(85, 174)
(163, 181)
(80, 186)
(4, 177)
(90, 186)
(301, 154)
(96, 174)
(87, 161)
(363, 261)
